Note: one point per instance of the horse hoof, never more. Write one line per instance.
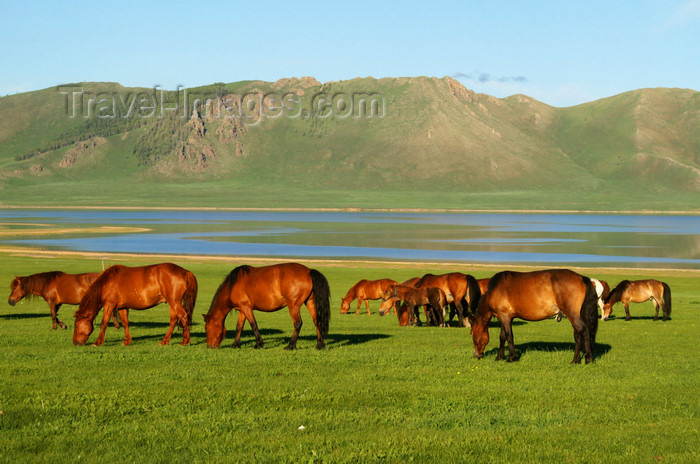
(164, 343)
(290, 347)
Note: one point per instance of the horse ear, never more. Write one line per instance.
(205, 317)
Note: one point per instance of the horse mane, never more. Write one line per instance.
(419, 282)
(36, 283)
(229, 281)
(91, 302)
(618, 290)
(496, 279)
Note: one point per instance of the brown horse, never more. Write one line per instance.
(269, 288)
(56, 288)
(458, 288)
(123, 288)
(534, 296)
(639, 291)
(365, 290)
(414, 297)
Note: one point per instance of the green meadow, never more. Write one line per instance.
(378, 392)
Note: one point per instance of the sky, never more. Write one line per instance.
(562, 53)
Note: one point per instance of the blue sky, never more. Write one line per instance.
(560, 52)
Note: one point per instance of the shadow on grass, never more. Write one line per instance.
(275, 337)
(612, 317)
(523, 348)
(15, 316)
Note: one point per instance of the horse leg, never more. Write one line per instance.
(115, 319)
(296, 318)
(507, 326)
(54, 315)
(367, 304)
(239, 329)
(359, 303)
(656, 307)
(248, 313)
(502, 347)
(627, 311)
(577, 347)
(416, 314)
(460, 312)
(311, 306)
(107, 311)
(581, 332)
(177, 312)
(124, 316)
(453, 311)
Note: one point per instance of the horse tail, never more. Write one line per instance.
(667, 299)
(190, 297)
(474, 292)
(589, 310)
(322, 298)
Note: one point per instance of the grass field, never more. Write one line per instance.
(377, 393)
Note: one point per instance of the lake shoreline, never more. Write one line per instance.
(349, 263)
(355, 210)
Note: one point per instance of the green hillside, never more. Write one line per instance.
(383, 143)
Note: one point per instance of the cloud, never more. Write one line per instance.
(684, 14)
(484, 77)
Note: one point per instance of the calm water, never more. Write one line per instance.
(556, 239)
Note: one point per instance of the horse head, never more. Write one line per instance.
(17, 291)
(215, 329)
(480, 329)
(386, 305)
(82, 330)
(344, 306)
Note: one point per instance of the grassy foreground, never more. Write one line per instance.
(377, 393)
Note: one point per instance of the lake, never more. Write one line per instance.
(663, 241)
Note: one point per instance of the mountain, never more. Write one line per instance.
(375, 143)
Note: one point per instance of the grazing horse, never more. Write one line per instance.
(269, 288)
(639, 291)
(365, 290)
(458, 287)
(56, 288)
(414, 297)
(534, 296)
(123, 288)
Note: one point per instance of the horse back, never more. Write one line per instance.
(270, 288)
(535, 295)
(70, 288)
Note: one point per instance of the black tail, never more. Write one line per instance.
(474, 292)
(667, 300)
(589, 310)
(190, 297)
(322, 298)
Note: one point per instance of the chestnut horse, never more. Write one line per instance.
(123, 288)
(269, 288)
(56, 288)
(534, 296)
(413, 297)
(639, 291)
(458, 288)
(365, 290)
